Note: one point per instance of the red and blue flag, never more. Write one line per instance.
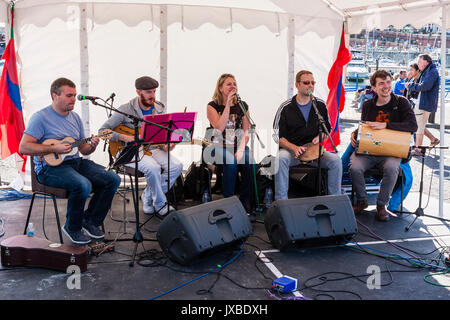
(336, 95)
(11, 116)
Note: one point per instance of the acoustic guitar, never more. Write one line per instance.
(55, 159)
(116, 146)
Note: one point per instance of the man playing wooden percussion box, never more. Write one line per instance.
(385, 111)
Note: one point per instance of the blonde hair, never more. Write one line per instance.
(217, 96)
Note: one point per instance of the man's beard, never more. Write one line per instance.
(146, 103)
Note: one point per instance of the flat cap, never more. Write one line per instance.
(146, 83)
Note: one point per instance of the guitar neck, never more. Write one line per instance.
(78, 143)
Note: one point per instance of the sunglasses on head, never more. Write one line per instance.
(307, 83)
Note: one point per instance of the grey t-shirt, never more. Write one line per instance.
(48, 124)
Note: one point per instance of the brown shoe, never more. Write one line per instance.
(360, 205)
(435, 142)
(382, 214)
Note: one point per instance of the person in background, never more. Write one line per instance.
(399, 87)
(428, 88)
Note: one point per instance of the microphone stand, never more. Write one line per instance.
(419, 211)
(252, 142)
(137, 238)
(322, 128)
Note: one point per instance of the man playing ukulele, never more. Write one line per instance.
(78, 176)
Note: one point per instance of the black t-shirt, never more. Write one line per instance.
(397, 113)
(235, 120)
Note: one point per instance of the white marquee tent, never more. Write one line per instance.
(104, 45)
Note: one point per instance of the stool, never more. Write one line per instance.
(53, 192)
(300, 171)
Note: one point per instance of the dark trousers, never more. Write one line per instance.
(80, 177)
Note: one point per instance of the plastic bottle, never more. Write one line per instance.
(206, 197)
(268, 197)
(30, 229)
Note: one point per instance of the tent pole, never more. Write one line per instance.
(291, 58)
(442, 125)
(163, 55)
(84, 67)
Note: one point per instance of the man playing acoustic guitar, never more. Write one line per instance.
(153, 197)
(385, 111)
(78, 176)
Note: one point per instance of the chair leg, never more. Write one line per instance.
(174, 198)
(401, 195)
(29, 213)
(57, 219)
(352, 198)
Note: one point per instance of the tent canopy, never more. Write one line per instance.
(104, 45)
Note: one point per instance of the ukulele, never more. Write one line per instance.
(116, 146)
(55, 159)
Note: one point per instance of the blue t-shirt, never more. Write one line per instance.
(305, 109)
(147, 112)
(48, 124)
(399, 85)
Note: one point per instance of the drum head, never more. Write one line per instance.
(311, 153)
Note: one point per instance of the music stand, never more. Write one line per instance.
(134, 146)
(181, 129)
(419, 211)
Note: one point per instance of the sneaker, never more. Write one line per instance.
(162, 211)
(77, 237)
(93, 231)
(148, 208)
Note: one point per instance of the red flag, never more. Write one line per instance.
(336, 96)
(11, 117)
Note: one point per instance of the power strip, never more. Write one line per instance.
(285, 284)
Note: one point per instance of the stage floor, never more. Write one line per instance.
(341, 272)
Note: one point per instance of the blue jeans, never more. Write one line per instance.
(80, 177)
(286, 159)
(230, 169)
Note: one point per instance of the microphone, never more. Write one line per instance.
(238, 98)
(80, 97)
(111, 96)
(311, 95)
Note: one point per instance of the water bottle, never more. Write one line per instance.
(268, 197)
(206, 197)
(30, 229)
